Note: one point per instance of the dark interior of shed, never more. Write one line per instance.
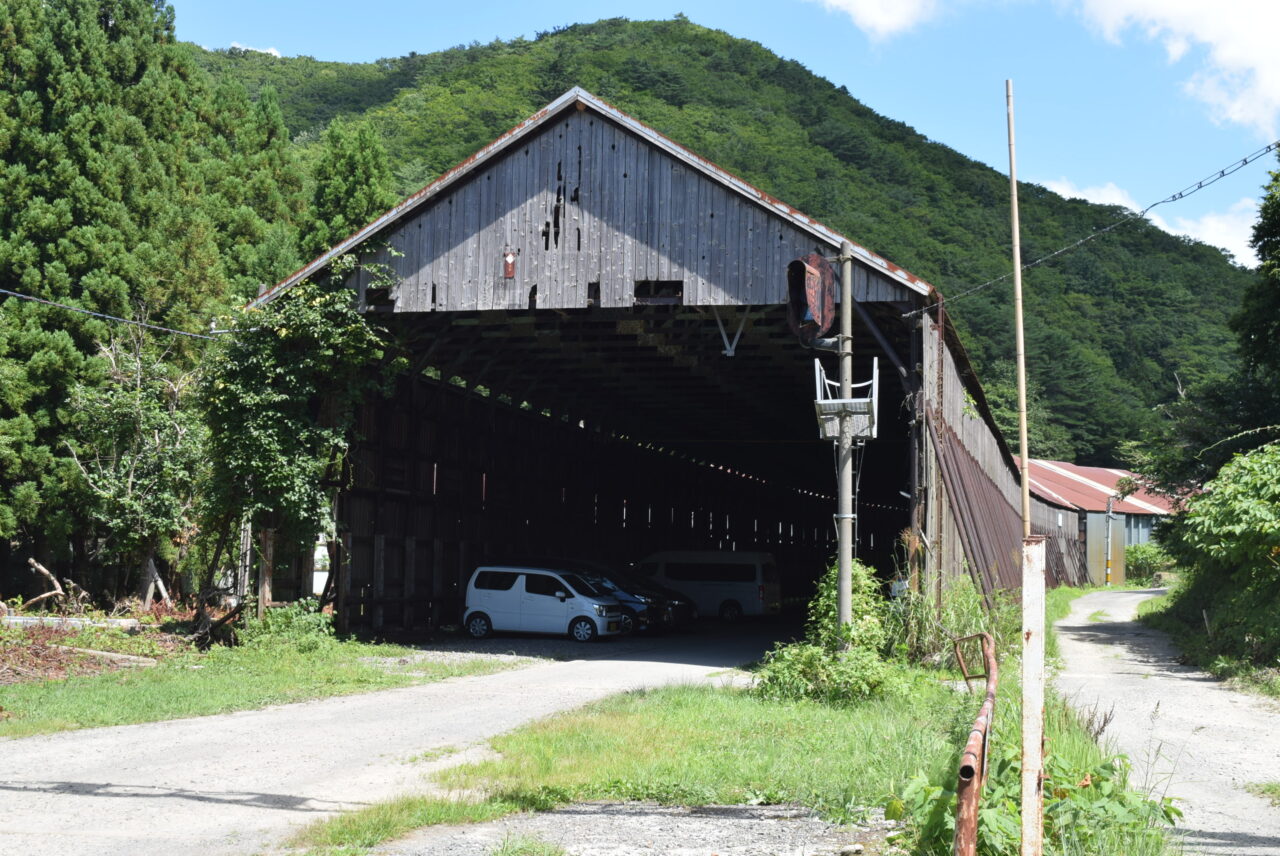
(609, 433)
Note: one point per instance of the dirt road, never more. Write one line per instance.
(238, 783)
(1188, 735)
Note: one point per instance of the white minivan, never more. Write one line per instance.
(727, 584)
(538, 600)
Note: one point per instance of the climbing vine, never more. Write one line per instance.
(280, 395)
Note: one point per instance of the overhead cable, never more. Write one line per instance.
(1132, 215)
(104, 315)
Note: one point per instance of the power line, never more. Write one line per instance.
(104, 315)
(1133, 215)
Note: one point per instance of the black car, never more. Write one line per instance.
(671, 609)
(644, 605)
(683, 610)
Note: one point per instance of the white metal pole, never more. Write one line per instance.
(844, 566)
(1032, 562)
(1110, 503)
(1033, 683)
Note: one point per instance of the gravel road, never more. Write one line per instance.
(1188, 735)
(647, 829)
(240, 783)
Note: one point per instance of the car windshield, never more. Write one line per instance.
(581, 586)
(604, 582)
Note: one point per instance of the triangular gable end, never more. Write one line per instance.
(581, 205)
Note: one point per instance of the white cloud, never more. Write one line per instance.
(272, 51)
(881, 19)
(1105, 194)
(1230, 230)
(1240, 78)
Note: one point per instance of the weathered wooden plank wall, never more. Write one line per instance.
(951, 518)
(442, 478)
(585, 204)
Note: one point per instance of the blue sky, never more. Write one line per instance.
(1118, 101)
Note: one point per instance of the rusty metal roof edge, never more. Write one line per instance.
(578, 95)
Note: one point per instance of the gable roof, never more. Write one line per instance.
(1087, 488)
(580, 99)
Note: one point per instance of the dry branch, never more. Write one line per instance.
(208, 632)
(57, 591)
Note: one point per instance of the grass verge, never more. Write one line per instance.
(691, 746)
(1222, 631)
(223, 680)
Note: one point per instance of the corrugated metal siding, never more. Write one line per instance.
(1096, 543)
(977, 494)
(586, 201)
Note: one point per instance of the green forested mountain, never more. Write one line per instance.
(1114, 328)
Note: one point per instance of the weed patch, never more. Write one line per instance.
(835, 663)
(524, 845)
(358, 830)
(1266, 790)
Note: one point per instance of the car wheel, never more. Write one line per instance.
(730, 610)
(582, 629)
(627, 623)
(479, 626)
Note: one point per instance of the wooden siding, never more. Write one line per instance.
(442, 479)
(586, 201)
(946, 399)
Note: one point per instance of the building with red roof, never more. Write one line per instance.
(1094, 492)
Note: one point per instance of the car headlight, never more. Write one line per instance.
(644, 599)
(601, 609)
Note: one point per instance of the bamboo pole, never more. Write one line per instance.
(1032, 564)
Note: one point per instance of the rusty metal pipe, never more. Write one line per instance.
(972, 775)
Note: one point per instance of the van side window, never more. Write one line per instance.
(711, 572)
(542, 584)
(495, 580)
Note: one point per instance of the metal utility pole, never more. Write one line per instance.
(1110, 504)
(844, 449)
(1032, 565)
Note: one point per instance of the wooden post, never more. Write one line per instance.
(343, 560)
(265, 570)
(379, 579)
(245, 560)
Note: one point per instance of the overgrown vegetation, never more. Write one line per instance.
(279, 397)
(1223, 611)
(1091, 804)
(835, 663)
(1266, 790)
(1143, 563)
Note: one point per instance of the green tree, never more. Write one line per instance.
(127, 187)
(1236, 411)
(1045, 438)
(352, 184)
(279, 397)
(139, 448)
